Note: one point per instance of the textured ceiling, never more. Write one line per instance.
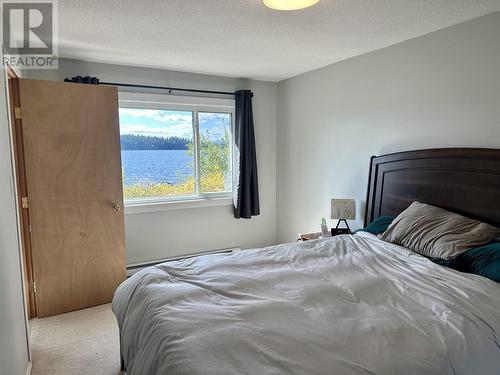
(243, 38)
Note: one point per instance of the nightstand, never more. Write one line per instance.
(316, 235)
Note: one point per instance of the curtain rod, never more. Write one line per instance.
(170, 89)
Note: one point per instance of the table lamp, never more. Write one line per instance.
(343, 210)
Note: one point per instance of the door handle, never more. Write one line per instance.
(116, 207)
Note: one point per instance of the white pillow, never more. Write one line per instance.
(437, 233)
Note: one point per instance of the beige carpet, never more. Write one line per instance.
(83, 342)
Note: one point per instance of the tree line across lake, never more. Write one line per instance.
(146, 142)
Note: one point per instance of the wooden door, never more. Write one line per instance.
(73, 173)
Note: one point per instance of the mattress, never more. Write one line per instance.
(351, 304)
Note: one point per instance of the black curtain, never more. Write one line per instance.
(80, 79)
(246, 189)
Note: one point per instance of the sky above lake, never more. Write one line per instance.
(165, 123)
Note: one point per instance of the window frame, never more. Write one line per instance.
(195, 105)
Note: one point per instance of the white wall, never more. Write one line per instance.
(439, 90)
(13, 340)
(168, 233)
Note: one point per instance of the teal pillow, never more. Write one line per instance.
(450, 263)
(378, 225)
(482, 260)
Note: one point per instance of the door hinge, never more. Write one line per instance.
(25, 202)
(33, 286)
(29, 227)
(18, 113)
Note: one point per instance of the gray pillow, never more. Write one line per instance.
(437, 233)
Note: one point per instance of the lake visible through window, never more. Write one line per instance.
(159, 153)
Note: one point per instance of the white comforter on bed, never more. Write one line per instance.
(345, 305)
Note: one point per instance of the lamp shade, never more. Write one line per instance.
(344, 209)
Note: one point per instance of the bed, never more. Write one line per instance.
(351, 304)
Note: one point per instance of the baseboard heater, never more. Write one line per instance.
(136, 267)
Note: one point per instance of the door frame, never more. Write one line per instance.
(21, 192)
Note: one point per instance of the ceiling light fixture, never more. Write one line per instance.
(289, 4)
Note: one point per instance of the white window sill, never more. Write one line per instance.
(158, 205)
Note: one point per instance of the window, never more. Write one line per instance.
(175, 148)
(215, 151)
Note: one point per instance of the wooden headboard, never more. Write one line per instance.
(463, 180)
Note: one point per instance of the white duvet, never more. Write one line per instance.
(345, 305)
